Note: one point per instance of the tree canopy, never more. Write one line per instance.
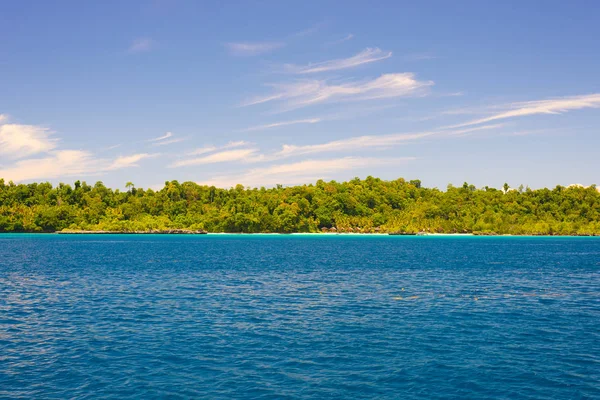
(359, 205)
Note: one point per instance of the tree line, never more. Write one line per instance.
(359, 205)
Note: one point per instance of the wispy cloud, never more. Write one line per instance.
(56, 164)
(170, 141)
(253, 48)
(163, 137)
(219, 157)
(550, 106)
(419, 57)
(349, 36)
(129, 161)
(17, 141)
(366, 56)
(282, 123)
(370, 141)
(309, 31)
(65, 163)
(167, 138)
(141, 45)
(38, 157)
(309, 92)
(202, 150)
(209, 149)
(253, 155)
(300, 172)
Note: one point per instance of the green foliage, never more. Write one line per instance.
(369, 205)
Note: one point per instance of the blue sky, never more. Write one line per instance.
(261, 93)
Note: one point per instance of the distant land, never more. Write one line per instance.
(368, 205)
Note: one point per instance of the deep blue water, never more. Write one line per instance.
(311, 317)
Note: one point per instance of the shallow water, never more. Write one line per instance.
(232, 316)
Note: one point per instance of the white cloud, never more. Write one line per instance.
(141, 45)
(252, 155)
(300, 172)
(3, 117)
(551, 106)
(64, 163)
(18, 141)
(238, 143)
(306, 93)
(128, 161)
(163, 137)
(56, 164)
(38, 158)
(253, 48)
(366, 56)
(362, 142)
(352, 144)
(202, 150)
(209, 149)
(165, 140)
(309, 31)
(280, 124)
(349, 36)
(222, 156)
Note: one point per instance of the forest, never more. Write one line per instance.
(368, 205)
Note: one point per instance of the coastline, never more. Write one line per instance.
(152, 232)
(294, 234)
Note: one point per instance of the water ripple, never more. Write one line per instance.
(299, 317)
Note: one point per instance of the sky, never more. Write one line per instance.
(261, 93)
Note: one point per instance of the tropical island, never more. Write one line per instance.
(368, 205)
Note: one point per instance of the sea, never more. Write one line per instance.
(299, 317)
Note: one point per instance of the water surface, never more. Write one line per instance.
(311, 317)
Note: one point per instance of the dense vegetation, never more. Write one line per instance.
(369, 205)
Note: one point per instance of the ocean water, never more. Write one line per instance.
(299, 317)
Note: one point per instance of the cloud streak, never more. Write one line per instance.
(282, 123)
(219, 157)
(37, 156)
(163, 137)
(63, 163)
(349, 36)
(370, 141)
(310, 92)
(300, 172)
(17, 141)
(129, 161)
(56, 164)
(141, 45)
(252, 48)
(551, 106)
(167, 138)
(209, 149)
(366, 56)
(166, 142)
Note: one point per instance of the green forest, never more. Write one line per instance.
(360, 205)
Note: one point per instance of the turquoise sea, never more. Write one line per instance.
(299, 317)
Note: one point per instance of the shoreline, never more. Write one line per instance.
(328, 234)
(153, 232)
